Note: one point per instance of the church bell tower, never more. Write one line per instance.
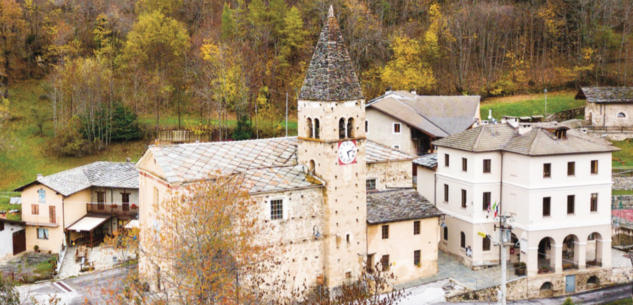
(331, 143)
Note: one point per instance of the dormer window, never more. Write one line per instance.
(561, 133)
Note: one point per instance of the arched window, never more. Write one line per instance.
(310, 130)
(546, 286)
(462, 241)
(621, 115)
(350, 128)
(366, 126)
(311, 167)
(317, 129)
(341, 128)
(445, 233)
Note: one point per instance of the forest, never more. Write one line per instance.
(103, 63)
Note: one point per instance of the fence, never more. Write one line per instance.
(187, 136)
(607, 129)
(622, 172)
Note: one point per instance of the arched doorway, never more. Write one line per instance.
(593, 256)
(546, 255)
(571, 252)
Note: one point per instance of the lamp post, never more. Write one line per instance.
(545, 91)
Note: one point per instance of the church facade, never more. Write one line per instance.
(338, 201)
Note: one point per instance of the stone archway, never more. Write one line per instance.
(546, 255)
(594, 247)
(571, 252)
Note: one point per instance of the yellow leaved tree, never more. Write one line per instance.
(406, 69)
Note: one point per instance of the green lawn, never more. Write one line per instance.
(528, 105)
(27, 154)
(624, 157)
(5, 206)
(627, 301)
(187, 120)
(621, 192)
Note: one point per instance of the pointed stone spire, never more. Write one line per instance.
(331, 75)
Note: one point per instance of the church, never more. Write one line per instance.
(339, 201)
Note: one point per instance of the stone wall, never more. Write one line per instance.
(567, 114)
(525, 288)
(389, 175)
(623, 183)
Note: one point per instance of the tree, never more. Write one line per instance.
(124, 124)
(123, 243)
(40, 116)
(11, 24)
(9, 295)
(406, 70)
(203, 245)
(294, 36)
(228, 23)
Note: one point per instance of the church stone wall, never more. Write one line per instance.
(391, 174)
(606, 114)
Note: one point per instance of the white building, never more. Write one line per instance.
(12, 237)
(555, 182)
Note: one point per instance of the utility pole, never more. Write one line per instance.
(504, 239)
(286, 114)
(545, 91)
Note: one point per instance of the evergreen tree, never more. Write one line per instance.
(294, 35)
(124, 124)
(228, 23)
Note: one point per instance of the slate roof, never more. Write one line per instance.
(606, 94)
(398, 205)
(99, 174)
(540, 141)
(439, 116)
(267, 164)
(428, 161)
(331, 75)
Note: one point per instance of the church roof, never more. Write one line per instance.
(398, 205)
(267, 164)
(331, 75)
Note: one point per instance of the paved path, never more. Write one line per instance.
(601, 296)
(78, 290)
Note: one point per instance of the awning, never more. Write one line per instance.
(88, 223)
(134, 223)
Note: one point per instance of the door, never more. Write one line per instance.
(19, 242)
(570, 284)
(51, 214)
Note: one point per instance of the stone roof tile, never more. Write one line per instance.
(398, 205)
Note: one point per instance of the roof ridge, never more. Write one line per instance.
(422, 115)
(533, 145)
(476, 144)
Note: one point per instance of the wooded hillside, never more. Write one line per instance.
(216, 59)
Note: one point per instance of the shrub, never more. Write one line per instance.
(70, 141)
(244, 130)
(125, 125)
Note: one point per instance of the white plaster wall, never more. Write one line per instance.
(426, 183)
(114, 194)
(381, 131)
(6, 239)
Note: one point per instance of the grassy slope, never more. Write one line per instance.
(530, 104)
(27, 154)
(193, 120)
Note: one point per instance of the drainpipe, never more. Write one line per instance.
(500, 201)
(435, 188)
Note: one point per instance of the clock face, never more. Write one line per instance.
(346, 152)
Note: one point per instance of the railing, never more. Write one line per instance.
(117, 208)
(42, 219)
(186, 136)
(607, 129)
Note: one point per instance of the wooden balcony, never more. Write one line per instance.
(115, 209)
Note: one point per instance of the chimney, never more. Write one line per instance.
(39, 176)
(128, 160)
(525, 128)
(388, 90)
(414, 92)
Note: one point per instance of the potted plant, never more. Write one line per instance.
(36, 248)
(134, 206)
(521, 269)
(567, 266)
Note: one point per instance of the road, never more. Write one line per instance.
(87, 289)
(601, 296)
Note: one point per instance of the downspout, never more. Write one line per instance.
(435, 187)
(500, 201)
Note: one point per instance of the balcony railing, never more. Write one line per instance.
(117, 208)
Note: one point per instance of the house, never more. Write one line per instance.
(608, 106)
(410, 122)
(12, 237)
(554, 181)
(79, 205)
(326, 190)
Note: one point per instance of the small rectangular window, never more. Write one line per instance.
(446, 160)
(464, 164)
(347, 238)
(42, 233)
(487, 166)
(396, 146)
(396, 127)
(594, 202)
(486, 201)
(41, 196)
(366, 126)
(370, 184)
(348, 275)
(571, 202)
(594, 166)
(416, 228)
(384, 262)
(571, 168)
(547, 170)
(385, 232)
(125, 198)
(445, 192)
(445, 233)
(463, 198)
(486, 244)
(547, 201)
(276, 209)
(416, 257)
(35, 209)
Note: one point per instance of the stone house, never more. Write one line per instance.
(321, 189)
(79, 205)
(555, 182)
(410, 122)
(608, 106)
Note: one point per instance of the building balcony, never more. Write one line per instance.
(114, 209)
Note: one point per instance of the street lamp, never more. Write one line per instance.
(545, 91)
